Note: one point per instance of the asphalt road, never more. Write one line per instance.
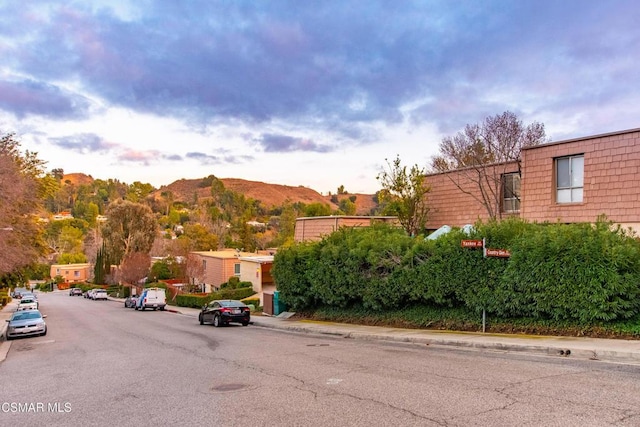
(101, 364)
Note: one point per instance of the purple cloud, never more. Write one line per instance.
(83, 143)
(283, 143)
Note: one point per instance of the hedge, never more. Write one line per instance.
(579, 272)
(197, 301)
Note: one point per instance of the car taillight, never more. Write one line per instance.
(225, 310)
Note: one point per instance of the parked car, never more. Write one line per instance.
(89, 294)
(130, 302)
(29, 295)
(26, 323)
(75, 292)
(99, 294)
(223, 312)
(27, 304)
(152, 298)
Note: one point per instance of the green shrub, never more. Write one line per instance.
(578, 272)
(197, 301)
(193, 301)
(255, 302)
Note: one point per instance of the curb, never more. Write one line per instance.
(611, 356)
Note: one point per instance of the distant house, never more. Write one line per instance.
(71, 273)
(219, 266)
(315, 227)
(62, 215)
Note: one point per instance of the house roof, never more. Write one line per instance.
(83, 265)
(260, 259)
(223, 254)
(347, 217)
(602, 135)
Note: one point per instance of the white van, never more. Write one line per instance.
(152, 298)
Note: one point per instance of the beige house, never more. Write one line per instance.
(71, 273)
(219, 266)
(566, 181)
(257, 270)
(314, 228)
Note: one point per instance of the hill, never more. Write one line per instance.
(187, 190)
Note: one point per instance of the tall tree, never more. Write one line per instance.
(403, 194)
(130, 227)
(20, 189)
(482, 154)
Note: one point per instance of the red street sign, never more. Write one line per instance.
(471, 243)
(502, 253)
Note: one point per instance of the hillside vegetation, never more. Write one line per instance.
(270, 195)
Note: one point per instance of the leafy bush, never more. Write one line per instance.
(578, 272)
(197, 301)
(255, 302)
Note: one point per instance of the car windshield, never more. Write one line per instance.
(101, 292)
(232, 304)
(26, 301)
(26, 315)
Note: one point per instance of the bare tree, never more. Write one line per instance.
(194, 270)
(483, 153)
(134, 267)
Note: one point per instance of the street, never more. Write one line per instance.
(102, 364)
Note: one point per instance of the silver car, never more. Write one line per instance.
(26, 323)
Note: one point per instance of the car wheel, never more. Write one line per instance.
(200, 319)
(216, 321)
(125, 305)
(245, 323)
(9, 338)
(161, 308)
(142, 308)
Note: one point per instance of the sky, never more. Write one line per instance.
(317, 94)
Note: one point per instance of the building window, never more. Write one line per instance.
(204, 264)
(569, 179)
(236, 269)
(76, 273)
(511, 192)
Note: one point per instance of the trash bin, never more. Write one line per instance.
(278, 306)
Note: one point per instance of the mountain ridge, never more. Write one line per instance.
(270, 195)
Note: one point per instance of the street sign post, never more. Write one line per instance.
(471, 243)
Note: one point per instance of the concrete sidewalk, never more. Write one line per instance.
(607, 350)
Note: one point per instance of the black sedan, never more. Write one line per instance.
(223, 312)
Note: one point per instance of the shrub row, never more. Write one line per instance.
(579, 272)
(197, 301)
(4, 299)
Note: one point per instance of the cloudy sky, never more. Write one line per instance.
(311, 93)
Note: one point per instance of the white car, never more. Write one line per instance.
(154, 298)
(99, 294)
(27, 304)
